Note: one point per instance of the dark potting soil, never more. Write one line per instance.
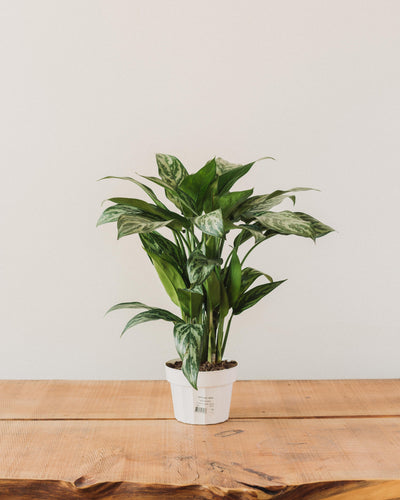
(207, 366)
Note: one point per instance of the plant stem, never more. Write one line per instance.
(210, 335)
(220, 334)
(226, 335)
(179, 243)
(183, 240)
(251, 249)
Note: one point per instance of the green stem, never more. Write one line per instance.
(205, 338)
(251, 249)
(179, 243)
(195, 239)
(220, 335)
(226, 335)
(184, 241)
(229, 257)
(211, 334)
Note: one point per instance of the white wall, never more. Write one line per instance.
(91, 88)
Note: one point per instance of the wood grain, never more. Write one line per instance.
(289, 440)
(55, 490)
(269, 452)
(52, 399)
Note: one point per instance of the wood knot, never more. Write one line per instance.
(84, 481)
(225, 434)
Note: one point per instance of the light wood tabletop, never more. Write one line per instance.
(285, 440)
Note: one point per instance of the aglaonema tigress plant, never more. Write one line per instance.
(202, 271)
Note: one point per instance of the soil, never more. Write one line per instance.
(207, 366)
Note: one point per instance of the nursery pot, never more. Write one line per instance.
(210, 404)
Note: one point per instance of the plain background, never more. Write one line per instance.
(95, 88)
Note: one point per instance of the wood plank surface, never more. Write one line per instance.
(292, 440)
(259, 452)
(60, 399)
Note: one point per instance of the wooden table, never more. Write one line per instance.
(118, 439)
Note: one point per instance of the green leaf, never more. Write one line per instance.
(213, 288)
(257, 205)
(129, 305)
(224, 302)
(199, 267)
(112, 214)
(176, 195)
(196, 185)
(224, 166)
(248, 231)
(249, 275)
(255, 231)
(233, 281)
(169, 276)
(151, 315)
(211, 197)
(230, 173)
(145, 188)
(211, 223)
(250, 298)
(287, 223)
(191, 302)
(229, 201)
(170, 169)
(320, 229)
(131, 224)
(152, 210)
(155, 243)
(188, 342)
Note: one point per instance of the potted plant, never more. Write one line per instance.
(202, 271)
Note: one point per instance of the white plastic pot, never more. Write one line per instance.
(210, 404)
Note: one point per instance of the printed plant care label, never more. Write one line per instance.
(204, 404)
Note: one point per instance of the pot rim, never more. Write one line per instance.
(214, 378)
(202, 372)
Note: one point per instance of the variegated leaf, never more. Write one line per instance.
(112, 214)
(258, 205)
(224, 166)
(287, 223)
(155, 243)
(151, 315)
(230, 173)
(131, 224)
(170, 169)
(145, 188)
(251, 297)
(247, 231)
(255, 231)
(320, 229)
(188, 342)
(176, 195)
(199, 267)
(151, 210)
(129, 305)
(249, 275)
(211, 223)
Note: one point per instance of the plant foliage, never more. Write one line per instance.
(208, 285)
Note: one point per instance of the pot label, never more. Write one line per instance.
(204, 404)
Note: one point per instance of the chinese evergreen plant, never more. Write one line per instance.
(208, 286)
